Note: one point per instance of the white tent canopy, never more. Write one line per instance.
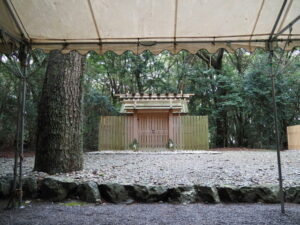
(155, 25)
(139, 25)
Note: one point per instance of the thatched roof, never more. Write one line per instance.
(178, 103)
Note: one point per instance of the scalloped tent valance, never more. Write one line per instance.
(155, 25)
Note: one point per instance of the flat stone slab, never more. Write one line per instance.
(179, 168)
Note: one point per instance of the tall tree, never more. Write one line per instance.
(240, 60)
(59, 132)
(215, 62)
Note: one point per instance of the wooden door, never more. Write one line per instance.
(153, 130)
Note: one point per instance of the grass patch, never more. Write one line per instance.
(74, 203)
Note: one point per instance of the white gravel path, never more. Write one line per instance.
(181, 168)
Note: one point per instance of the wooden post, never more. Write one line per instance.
(135, 125)
(171, 133)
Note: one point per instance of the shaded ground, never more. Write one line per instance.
(220, 214)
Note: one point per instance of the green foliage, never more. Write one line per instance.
(8, 109)
(233, 89)
(10, 74)
(134, 145)
(95, 105)
(74, 204)
(170, 144)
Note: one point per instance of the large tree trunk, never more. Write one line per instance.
(59, 133)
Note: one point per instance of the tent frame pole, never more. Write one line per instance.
(17, 186)
(23, 64)
(12, 199)
(275, 113)
(286, 28)
(277, 20)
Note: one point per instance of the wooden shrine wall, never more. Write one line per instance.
(153, 132)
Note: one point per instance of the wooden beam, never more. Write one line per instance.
(171, 133)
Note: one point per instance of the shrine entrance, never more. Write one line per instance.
(149, 122)
(153, 130)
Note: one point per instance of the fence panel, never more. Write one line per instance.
(193, 132)
(115, 132)
(189, 132)
(176, 132)
(293, 133)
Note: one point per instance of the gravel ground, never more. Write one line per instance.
(181, 168)
(201, 214)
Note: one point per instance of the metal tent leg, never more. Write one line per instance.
(23, 62)
(17, 190)
(12, 199)
(22, 123)
(281, 195)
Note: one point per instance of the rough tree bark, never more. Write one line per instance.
(59, 132)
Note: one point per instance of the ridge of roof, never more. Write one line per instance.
(153, 96)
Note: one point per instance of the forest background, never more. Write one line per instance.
(233, 89)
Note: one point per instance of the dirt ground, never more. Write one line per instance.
(200, 214)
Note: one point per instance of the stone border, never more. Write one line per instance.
(58, 189)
